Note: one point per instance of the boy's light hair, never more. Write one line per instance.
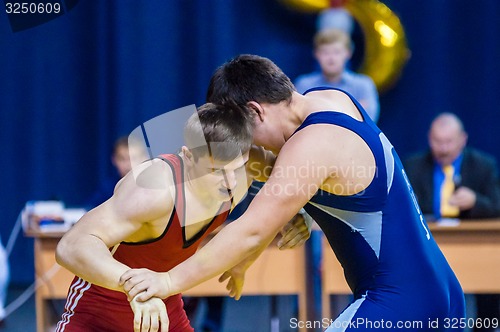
(330, 36)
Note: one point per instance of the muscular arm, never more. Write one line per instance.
(292, 183)
(84, 249)
(276, 203)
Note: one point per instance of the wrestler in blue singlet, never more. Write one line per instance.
(391, 262)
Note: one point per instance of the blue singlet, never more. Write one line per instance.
(398, 274)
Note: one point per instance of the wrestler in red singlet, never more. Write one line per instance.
(86, 302)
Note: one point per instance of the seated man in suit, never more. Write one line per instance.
(454, 181)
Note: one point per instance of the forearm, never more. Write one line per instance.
(215, 258)
(247, 262)
(253, 231)
(90, 259)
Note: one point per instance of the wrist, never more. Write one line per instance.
(168, 284)
(242, 268)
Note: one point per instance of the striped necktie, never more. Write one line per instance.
(447, 189)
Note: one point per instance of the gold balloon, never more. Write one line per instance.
(308, 6)
(386, 49)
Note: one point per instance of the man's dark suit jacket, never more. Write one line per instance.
(478, 172)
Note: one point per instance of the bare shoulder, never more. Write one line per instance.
(146, 192)
(330, 94)
(334, 100)
(138, 202)
(316, 141)
(332, 152)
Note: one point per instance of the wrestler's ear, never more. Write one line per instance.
(257, 109)
(189, 159)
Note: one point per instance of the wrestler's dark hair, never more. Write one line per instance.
(228, 131)
(249, 78)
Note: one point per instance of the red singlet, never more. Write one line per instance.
(94, 308)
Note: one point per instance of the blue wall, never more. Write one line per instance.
(71, 86)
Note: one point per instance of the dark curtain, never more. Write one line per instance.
(69, 87)
(454, 65)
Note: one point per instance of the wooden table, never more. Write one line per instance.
(274, 273)
(52, 280)
(472, 249)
